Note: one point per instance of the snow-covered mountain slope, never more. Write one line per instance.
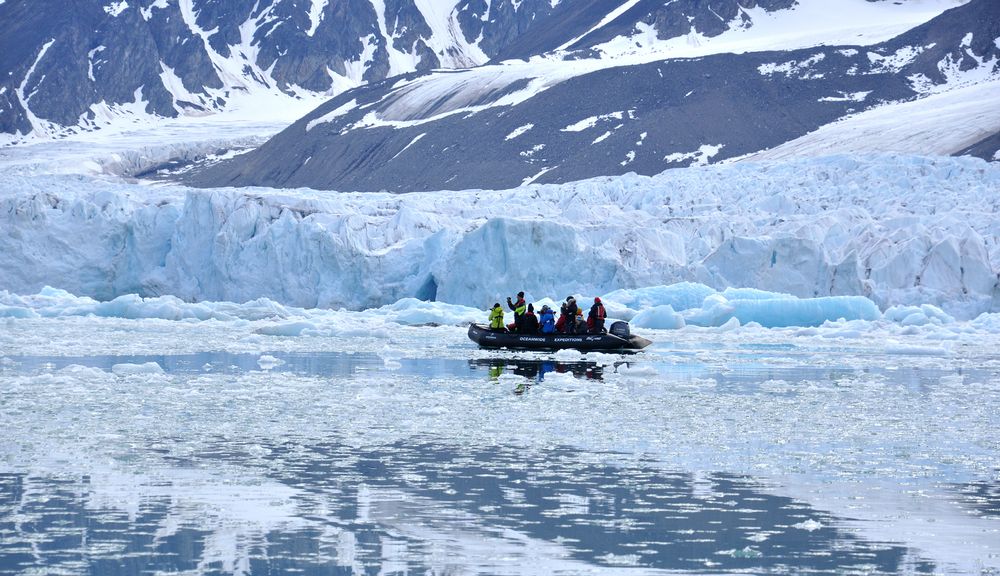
(897, 229)
(85, 65)
(557, 120)
(945, 123)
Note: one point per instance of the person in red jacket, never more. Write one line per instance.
(595, 320)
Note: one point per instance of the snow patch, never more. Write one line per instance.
(147, 13)
(411, 143)
(700, 157)
(315, 15)
(592, 121)
(896, 61)
(608, 18)
(519, 131)
(793, 68)
(332, 115)
(847, 97)
(90, 62)
(116, 8)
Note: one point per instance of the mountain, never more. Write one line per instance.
(574, 115)
(85, 64)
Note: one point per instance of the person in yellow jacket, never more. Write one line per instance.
(496, 318)
(519, 308)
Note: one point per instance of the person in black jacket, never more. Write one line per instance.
(529, 324)
(570, 326)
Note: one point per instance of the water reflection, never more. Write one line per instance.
(535, 370)
(303, 363)
(424, 507)
(982, 497)
(741, 375)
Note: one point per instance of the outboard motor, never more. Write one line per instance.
(620, 329)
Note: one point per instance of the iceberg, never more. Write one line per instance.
(768, 309)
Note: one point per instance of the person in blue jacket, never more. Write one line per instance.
(547, 320)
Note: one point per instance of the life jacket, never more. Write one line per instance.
(519, 307)
(597, 311)
(496, 318)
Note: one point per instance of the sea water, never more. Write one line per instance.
(136, 447)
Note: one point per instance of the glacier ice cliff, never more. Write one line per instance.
(899, 230)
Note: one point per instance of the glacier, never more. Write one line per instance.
(895, 230)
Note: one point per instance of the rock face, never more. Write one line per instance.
(72, 65)
(501, 125)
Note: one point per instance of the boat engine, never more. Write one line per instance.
(620, 329)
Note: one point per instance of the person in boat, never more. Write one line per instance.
(529, 325)
(567, 316)
(547, 320)
(519, 309)
(496, 318)
(595, 320)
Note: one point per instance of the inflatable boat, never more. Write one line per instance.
(618, 339)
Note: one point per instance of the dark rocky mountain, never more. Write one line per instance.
(68, 65)
(469, 129)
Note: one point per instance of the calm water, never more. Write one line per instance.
(432, 504)
(263, 502)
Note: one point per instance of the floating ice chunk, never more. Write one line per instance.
(754, 294)
(773, 313)
(730, 325)
(568, 354)
(390, 358)
(843, 333)
(747, 552)
(697, 383)
(613, 559)
(511, 379)
(164, 307)
(953, 380)
(681, 296)
(267, 362)
(659, 317)
(772, 310)
(286, 328)
(918, 315)
(809, 525)
(987, 322)
(16, 312)
(126, 369)
(917, 350)
(776, 386)
(636, 371)
(715, 310)
(414, 312)
(79, 371)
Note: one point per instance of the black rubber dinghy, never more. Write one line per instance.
(618, 339)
